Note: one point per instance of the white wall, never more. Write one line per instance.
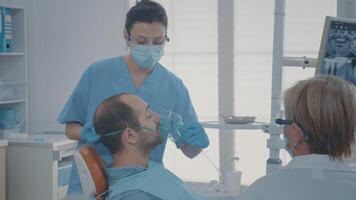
(346, 8)
(253, 47)
(63, 38)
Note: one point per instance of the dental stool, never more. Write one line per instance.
(91, 172)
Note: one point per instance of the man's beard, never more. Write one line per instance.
(147, 144)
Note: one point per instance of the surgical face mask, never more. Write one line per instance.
(146, 56)
(170, 125)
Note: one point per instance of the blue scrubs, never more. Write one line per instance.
(162, 90)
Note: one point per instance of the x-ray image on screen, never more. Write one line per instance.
(337, 55)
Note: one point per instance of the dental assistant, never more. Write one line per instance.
(140, 73)
(319, 135)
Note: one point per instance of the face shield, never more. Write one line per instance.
(170, 125)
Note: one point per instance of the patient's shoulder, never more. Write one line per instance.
(134, 195)
(153, 164)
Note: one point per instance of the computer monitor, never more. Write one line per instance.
(337, 54)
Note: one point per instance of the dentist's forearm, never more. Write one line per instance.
(72, 131)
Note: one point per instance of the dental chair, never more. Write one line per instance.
(91, 172)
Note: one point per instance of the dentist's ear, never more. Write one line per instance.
(293, 132)
(298, 133)
(297, 137)
(126, 36)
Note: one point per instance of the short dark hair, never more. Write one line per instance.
(113, 115)
(145, 11)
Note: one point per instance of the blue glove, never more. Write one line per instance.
(88, 134)
(194, 135)
(171, 125)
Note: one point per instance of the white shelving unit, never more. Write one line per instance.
(13, 74)
(3, 144)
(226, 63)
(38, 167)
(226, 126)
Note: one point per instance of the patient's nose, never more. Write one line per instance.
(157, 118)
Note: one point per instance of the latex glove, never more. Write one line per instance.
(88, 134)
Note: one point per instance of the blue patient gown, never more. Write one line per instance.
(162, 90)
(117, 173)
(152, 183)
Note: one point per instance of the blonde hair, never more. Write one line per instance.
(325, 107)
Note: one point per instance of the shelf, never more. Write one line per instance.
(223, 126)
(60, 145)
(13, 101)
(13, 83)
(3, 143)
(13, 7)
(13, 54)
(15, 136)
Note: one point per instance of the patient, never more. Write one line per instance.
(129, 129)
(319, 130)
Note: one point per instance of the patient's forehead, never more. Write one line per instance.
(135, 102)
